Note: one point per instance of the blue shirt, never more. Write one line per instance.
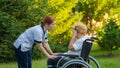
(32, 35)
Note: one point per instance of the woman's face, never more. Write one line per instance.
(50, 26)
(78, 35)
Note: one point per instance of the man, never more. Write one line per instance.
(24, 44)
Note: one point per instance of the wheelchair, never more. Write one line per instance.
(80, 61)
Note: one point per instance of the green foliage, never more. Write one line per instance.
(65, 20)
(14, 19)
(59, 43)
(110, 36)
(18, 15)
(96, 9)
(8, 33)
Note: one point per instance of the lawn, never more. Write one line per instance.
(105, 62)
(35, 64)
(109, 62)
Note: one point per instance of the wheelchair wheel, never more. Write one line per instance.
(75, 63)
(93, 62)
(62, 61)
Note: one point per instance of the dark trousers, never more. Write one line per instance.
(52, 63)
(24, 59)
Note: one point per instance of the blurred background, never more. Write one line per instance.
(102, 18)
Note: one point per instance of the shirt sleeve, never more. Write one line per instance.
(78, 45)
(38, 36)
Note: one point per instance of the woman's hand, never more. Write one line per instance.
(52, 56)
(74, 33)
(56, 54)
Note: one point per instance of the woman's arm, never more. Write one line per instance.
(42, 49)
(47, 47)
(72, 41)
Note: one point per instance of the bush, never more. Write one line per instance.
(8, 33)
(110, 36)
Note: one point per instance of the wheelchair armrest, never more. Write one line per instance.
(94, 38)
(69, 55)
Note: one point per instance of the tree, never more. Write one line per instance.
(96, 9)
(11, 14)
(15, 17)
(65, 19)
(18, 15)
(110, 36)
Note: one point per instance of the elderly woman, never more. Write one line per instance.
(75, 45)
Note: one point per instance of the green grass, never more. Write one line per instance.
(35, 64)
(105, 62)
(109, 62)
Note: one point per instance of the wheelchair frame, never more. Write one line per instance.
(77, 61)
